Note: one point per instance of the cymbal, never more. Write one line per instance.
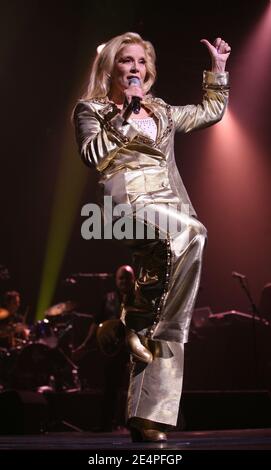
(60, 308)
(4, 313)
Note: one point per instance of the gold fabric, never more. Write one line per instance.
(137, 170)
(155, 389)
(133, 167)
(167, 276)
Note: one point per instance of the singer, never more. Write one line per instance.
(127, 135)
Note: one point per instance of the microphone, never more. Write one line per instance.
(238, 275)
(135, 103)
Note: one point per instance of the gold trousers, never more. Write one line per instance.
(168, 270)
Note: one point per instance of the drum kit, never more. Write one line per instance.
(38, 357)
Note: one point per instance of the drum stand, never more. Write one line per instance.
(59, 424)
(74, 371)
(73, 368)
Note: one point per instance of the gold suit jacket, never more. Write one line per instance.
(133, 168)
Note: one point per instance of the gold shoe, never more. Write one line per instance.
(147, 435)
(144, 430)
(136, 348)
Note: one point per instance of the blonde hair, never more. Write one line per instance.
(100, 75)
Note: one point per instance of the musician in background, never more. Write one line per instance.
(12, 322)
(12, 302)
(106, 326)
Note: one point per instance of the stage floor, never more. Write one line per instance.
(245, 439)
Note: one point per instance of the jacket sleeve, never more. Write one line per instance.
(211, 110)
(100, 137)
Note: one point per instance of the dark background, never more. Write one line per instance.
(46, 50)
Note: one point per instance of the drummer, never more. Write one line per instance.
(12, 322)
(11, 303)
